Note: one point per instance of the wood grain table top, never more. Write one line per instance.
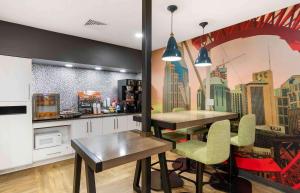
(107, 151)
(182, 119)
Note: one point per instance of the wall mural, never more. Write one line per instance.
(256, 69)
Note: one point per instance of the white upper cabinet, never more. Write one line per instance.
(15, 79)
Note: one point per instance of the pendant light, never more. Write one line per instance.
(203, 58)
(172, 52)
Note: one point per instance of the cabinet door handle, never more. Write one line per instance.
(114, 123)
(29, 92)
(48, 154)
(87, 126)
(91, 127)
(117, 123)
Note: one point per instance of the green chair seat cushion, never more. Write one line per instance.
(188, 149)
(234, 141)
(216, 150)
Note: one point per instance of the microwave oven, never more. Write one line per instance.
(45, 140)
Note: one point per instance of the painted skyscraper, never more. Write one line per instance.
(288, 102)
(261, 99)
(176, 90)
(219, 90)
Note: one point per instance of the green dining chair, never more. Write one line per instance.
(215, 151)
(184, 163)
(244, 137)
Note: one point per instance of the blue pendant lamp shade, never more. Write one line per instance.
(172, 53)
(203, 59)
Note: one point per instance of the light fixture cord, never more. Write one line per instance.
(204, 44)
(172, 24)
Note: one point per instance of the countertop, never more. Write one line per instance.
(85, 117)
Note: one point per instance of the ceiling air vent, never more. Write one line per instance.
(92, 22)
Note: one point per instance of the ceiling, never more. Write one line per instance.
(123, 17)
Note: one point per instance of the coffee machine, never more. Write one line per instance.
(129, 93)
(138, 94)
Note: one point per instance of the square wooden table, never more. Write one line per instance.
(103, 152)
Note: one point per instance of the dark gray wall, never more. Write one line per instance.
(23, 41)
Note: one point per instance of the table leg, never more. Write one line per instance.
(137, 175)
(163, 165)
(77, 173)
(90, 179)
(164, 172)
(146, 175)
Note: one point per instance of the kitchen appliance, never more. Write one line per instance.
(130, 95)
(16, 133)
(88, 99)
(138, 94)
(45, 106)
(44, 140)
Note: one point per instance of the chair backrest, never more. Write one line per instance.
(218, 142)
(246, 132)
(178, 109)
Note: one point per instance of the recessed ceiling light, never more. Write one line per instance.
(68, 65)
(98, 68)
(123, 70)
(138, 35)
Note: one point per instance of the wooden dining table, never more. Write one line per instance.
(178, 120)
(100, 153)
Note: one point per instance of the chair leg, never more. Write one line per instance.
(199, 177)
(234, 172)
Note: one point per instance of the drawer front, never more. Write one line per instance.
(52, 152)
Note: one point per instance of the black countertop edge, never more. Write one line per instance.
(85, 117)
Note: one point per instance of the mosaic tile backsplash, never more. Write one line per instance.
(67, 81)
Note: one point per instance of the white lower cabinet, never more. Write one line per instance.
(121, 123)
(24, 152)
(109, 125)
(133, 125)
(52, 152)
(86, 128)
(79, 128)
(95, 127)
(16, 141)
(117, 124)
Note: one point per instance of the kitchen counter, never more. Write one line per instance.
(86, 117)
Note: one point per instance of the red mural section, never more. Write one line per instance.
(283, 163)
(284, 23)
